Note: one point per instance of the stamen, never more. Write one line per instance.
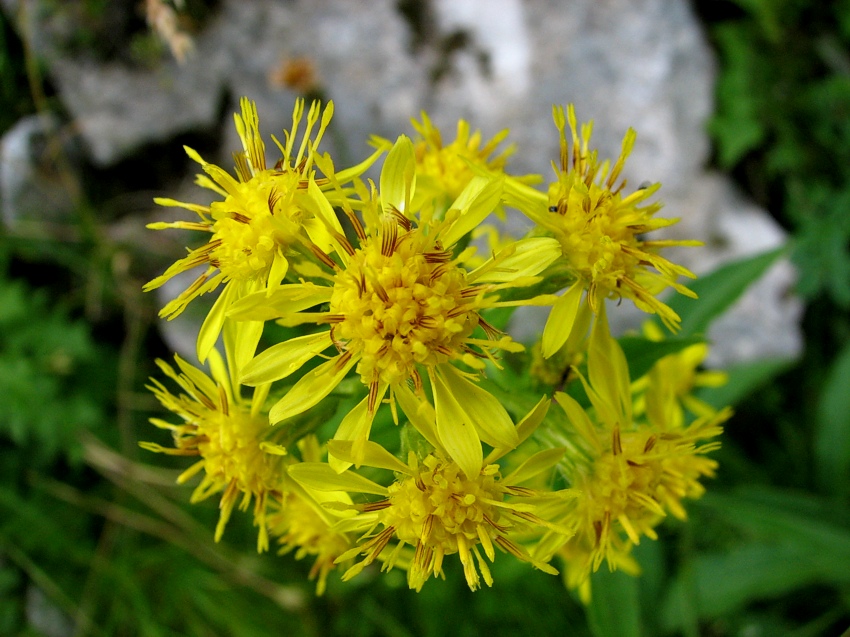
(322, 256)
(375, 506)
(616, 446)
(400, 219)
(222, 398)
(492, 333)
(274, 197)
(373, 397)
(389, 237)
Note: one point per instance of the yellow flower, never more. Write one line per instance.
(303, 524)
(262, 220)
(629, 473)
(229, 434)
(667, 390)
(601, 233)
(438, 508)
(444, 170)
(399, 304)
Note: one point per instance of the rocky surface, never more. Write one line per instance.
(37, 173)
(498, 63)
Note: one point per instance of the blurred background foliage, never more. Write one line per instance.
(96, 539)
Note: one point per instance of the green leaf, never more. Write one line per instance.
(832, 429)
(723, 583)
(738, 127)
(785, 517)
(793, 540)
(614, 610)
(719, 290)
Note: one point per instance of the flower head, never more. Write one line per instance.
(401, 303)
(444, 170)
(601, 232)
(303, 526)
(229, 435)
(630, 473)
(634, 477)
(439, 509)
(260, 224)
(667, 391)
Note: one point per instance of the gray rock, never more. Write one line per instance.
(38, 176)
(498, 63)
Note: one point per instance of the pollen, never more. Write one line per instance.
(401, 302)
(441, 512)
(254, 224)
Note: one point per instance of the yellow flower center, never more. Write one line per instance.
(230, 446)
(443, 171)
(400, 303)
(441, 508)
(634, 484)
(447, 166)
(594, 235)
(253, 224)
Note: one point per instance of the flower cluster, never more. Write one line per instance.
(397, 332)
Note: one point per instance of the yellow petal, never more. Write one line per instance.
(287, 299)
(240, 343)
(579, 419)
(561, 320)
(355, 171)
(355, 427)
(536, 464)
(477, 200)
(420, 413)
(281, 360)
(374, 455)
(607, 368)
(203, 382)
(530, 257)
(320, 476)
(310, 389)
(483, 410)
(273, 449)
(398, 176)
(456, 433)
(323, 207)
(280, 266)
(211, 327)
(524, 428)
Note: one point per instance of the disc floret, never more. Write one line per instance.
(439, 511)
(402, 302)
(442, 512)
(601, 231)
